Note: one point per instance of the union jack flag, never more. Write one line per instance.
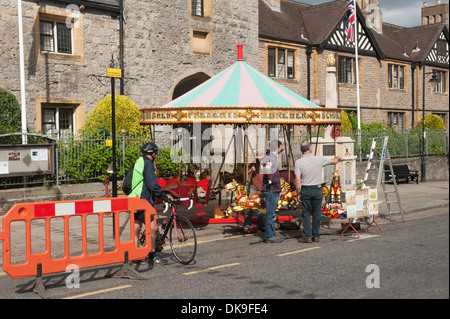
(351, 19)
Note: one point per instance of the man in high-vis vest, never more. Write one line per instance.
(145, 185)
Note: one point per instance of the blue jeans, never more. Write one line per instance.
(311, 206)
(272, 199)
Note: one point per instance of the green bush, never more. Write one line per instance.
(127, 116)
(432, 122)
(10, 117)
(164, 165)
(346, 124)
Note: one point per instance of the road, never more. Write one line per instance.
(410, 260)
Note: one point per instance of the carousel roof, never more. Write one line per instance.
(240, 85)
(240, 95)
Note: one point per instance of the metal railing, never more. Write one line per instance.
(87, 159)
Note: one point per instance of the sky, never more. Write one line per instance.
(405, 13)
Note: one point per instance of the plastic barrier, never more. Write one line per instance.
(38, 264)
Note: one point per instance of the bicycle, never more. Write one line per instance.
(179, 231)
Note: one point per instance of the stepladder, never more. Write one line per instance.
(373, 177)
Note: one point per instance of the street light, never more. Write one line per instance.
(435, 78)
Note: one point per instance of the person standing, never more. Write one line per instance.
(308, 173)
(271, 188)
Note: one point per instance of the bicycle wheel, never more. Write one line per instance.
(183, 241)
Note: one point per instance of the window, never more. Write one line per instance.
(346, 70)
(396, 76)
(442, 116)
(57, 121)
(197, 8)
(441, 48)
(55, 37)
(395, 121)
(281, 63)
(200, 43)
(440, 86)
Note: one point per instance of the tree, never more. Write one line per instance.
(127, 116)
(10, 113)
(346, 124)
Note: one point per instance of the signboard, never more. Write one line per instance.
(254, 115)
(26, 159)
(114, 73)
(361, 202)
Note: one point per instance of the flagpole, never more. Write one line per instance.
(357, 82)
(22, 73)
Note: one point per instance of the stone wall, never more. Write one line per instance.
(157, 51)
(158, 44)
(437, 167)
(56, 77)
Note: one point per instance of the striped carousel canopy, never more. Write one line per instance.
(240, 85)
(241, 95)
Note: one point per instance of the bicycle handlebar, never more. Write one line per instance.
(178, 200)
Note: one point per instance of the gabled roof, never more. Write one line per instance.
(314, 24)
(321, 20)
(410, 44)
(287, 24)
(304, 24)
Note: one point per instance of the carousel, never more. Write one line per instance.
(241, 98)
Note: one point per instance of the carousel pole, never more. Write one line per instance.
(317, 140)
(181, 156)
(334, 139)
(245, 156)
(290, 155)
(223, 160)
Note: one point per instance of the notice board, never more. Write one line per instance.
(361, 202)
(26, 159)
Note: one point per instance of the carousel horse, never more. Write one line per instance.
(335, 188)
(287, 197)
(256, 200)
(253, 201)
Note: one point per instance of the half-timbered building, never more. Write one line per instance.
(295, 40)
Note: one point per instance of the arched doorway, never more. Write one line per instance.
(184, 86)
(188, 83)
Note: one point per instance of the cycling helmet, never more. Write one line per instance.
(149, 148)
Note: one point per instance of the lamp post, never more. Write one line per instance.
(435, 78)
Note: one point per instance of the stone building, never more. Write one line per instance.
(295, 40)
(435, 13)
(169, 47)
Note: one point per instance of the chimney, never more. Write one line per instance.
(240, 51)
(372, 12)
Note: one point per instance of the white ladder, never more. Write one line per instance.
(378, 154)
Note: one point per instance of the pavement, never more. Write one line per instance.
(416, 200)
